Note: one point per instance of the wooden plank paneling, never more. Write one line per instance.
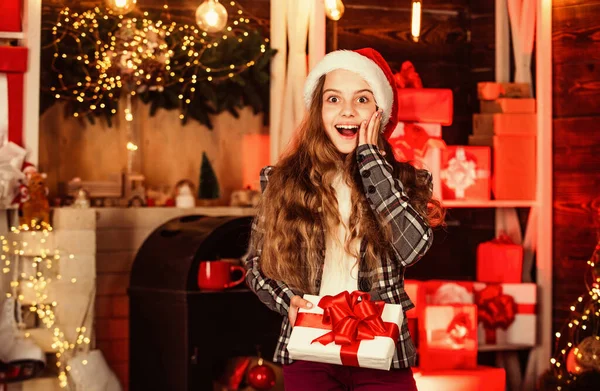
(576, 195)
(576, 89)
(577, 144)
(576, 33)
(572, 3)
(442, 36)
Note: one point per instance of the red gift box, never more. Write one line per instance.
(418, 104)
(465, 173)
(411, 287)
(499, 260)
(514, 167)
(431, 105)
(13, 64)
(10, 15)
(448, 337)
(481, 378)
(422, 145)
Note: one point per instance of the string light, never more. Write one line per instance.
(28, 243)
(121, 7)
(211, 16)
(137, 55)
(578, 340)
(415, 28)
(334, 9)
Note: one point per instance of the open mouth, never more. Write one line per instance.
(347, 130)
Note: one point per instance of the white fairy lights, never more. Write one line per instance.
(27, 246)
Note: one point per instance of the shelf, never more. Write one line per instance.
(11, 35)
(488, 203)
(502, 348)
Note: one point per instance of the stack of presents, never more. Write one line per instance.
(501, 150)
(452, 320)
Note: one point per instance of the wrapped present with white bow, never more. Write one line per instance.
(347, 329)
(466, 172)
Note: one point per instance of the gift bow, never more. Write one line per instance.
(495, 309)
(353, 317)
(408, 76)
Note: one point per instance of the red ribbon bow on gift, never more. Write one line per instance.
(495, 310)
(352, 318)
(408, 76)
(503, 239)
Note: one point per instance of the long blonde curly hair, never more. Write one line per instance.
(300, 202)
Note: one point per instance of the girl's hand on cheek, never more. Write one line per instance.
(369, 132)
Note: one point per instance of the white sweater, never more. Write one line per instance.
(340, 270)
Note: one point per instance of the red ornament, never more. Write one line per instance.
(261, 377)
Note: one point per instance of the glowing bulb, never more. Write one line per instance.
(121, 7)
(211, 16)
(334, 9)
(416, 20)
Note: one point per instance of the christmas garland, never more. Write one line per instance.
(91, 59)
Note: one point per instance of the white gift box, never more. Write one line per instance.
(522, 331)
(376, 353)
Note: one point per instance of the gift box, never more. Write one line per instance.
(478, 379)
(430, 105)
(13, 64)
(508, 105)
(411, 287)
(420, 144)
(504, 124)
(347, 329)
(465, 173)
(448, 337)
(506, 312)
(492, 90)
(499, 261)
(10, 15)
(514, 167)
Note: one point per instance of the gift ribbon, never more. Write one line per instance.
(352, 318)
(497, 310)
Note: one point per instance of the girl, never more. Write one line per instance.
(340, 213)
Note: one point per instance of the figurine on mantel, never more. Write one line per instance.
(82, 199)
(184, 194)
(36, 208)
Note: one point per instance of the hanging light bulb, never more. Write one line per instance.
(334, 9)
(211, 16)
(121, 7)
(416, 21)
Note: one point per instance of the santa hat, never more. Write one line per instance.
(372, 67)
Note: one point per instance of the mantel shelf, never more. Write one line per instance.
(11, 35)
(488, 203)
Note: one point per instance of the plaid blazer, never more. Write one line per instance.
(411, 238)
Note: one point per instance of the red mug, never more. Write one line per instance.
(216, 275)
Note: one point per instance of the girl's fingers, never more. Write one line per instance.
(373, 128)
(362, 133)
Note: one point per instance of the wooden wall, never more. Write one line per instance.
(576, 111)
